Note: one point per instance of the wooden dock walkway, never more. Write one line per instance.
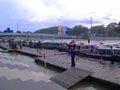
(70, 77)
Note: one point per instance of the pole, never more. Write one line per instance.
(89, 34)
(17, 27)
(91, 23)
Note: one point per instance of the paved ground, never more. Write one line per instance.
(100, 69)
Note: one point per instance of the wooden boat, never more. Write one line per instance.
(63, 47)
(49, 45)
(100, 52)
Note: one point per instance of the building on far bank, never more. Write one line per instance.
(62, 30)
(8, 30)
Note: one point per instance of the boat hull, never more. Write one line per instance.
(97, 56)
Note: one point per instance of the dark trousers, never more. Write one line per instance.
(72, 61)
(112, 60)
(20, 47)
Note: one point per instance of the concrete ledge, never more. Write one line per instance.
(37, 60)
(70, 77)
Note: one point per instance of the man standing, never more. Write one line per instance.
(21, 44)
(39, 45)
(72, 58)
(89, 40)
(112, 57)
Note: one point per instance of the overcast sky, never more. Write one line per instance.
(36, 14)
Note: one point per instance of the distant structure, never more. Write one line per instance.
(62, 30)
(8, 30)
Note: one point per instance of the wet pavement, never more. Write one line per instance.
(100, 69)
(16, 75)
(12, 77)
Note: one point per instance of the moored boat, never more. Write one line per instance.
(101, 52)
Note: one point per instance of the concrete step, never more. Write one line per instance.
(70, 77)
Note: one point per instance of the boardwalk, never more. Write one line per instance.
(105, 72)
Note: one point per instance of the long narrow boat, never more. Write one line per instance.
(95, 51)
(100, 52)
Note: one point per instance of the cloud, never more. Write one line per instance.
(33, 14)
(38, 9)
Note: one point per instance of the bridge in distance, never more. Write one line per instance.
(51, 36)
(41, 36)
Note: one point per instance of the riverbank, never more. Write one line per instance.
(101, 71)
(105, 38)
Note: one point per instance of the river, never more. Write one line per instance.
(110, 41)
(97, 42)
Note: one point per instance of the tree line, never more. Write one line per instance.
(111, 30)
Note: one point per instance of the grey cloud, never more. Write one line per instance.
(106, 18)
(33, 26)
(11, 15)
(87, 21)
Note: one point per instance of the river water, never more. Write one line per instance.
(24, 60)
(76, 40)
(97, 42)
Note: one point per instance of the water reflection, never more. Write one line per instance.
(92, 84)
(26, 61)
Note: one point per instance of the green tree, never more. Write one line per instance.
(111, 33)
(114, 27)
(117, 28)
(18, 32)
(99, 30)
(27, 32)
(79, 30)
(51, 30)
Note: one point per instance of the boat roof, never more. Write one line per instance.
(108, 47)
(88, 45)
